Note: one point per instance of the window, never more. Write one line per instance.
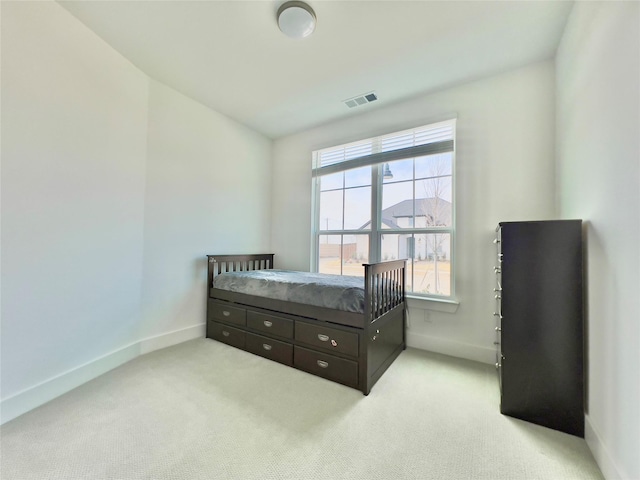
(388, 198)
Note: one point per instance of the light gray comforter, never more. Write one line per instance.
(320, 289)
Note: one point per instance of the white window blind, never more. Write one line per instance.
(427, 140)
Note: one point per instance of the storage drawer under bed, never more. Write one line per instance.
(269, 348)
(327, 366)
(226, 334)
(221, 312)
(270, 324)
(326, 338)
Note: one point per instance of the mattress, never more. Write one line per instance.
(338, 292)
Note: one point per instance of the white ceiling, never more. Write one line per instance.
(230, 55)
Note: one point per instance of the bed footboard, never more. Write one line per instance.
(384, 288)
(384, 317)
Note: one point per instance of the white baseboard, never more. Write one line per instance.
(32, 397)
(21, 402)
(451, 348)
(165, 340)
(601, 453)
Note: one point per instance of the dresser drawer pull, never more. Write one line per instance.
(266, 346)
(323, 338)
(322, 363)
(267, 323)
(225, 333)
(226, 313)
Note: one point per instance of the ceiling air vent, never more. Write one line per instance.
(361, 100)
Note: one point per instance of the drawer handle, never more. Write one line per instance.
(226, 313)
(225, 333)
(322, 364)
(266, 346)
(267, 323)
(323, 338)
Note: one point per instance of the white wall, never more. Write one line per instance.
(504, 168)
(206, 185)
(114, 189)
(598, 147)
(74, 122)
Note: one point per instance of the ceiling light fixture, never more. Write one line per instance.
(296, 19)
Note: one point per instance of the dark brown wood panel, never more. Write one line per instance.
(383, 340)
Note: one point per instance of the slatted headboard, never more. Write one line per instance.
(238, 263)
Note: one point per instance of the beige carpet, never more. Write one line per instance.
(203, 410)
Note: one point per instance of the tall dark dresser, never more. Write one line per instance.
(539, 323)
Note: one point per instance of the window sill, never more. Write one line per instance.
(434, 304)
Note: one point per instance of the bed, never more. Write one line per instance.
(349, 333)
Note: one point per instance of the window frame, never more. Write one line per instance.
(377, 160)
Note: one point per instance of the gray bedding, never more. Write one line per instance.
(322, 290)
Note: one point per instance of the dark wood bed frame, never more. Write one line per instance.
(354, 349)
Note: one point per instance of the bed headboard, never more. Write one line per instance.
(238, 263)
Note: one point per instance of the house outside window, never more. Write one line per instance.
(386, 198)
